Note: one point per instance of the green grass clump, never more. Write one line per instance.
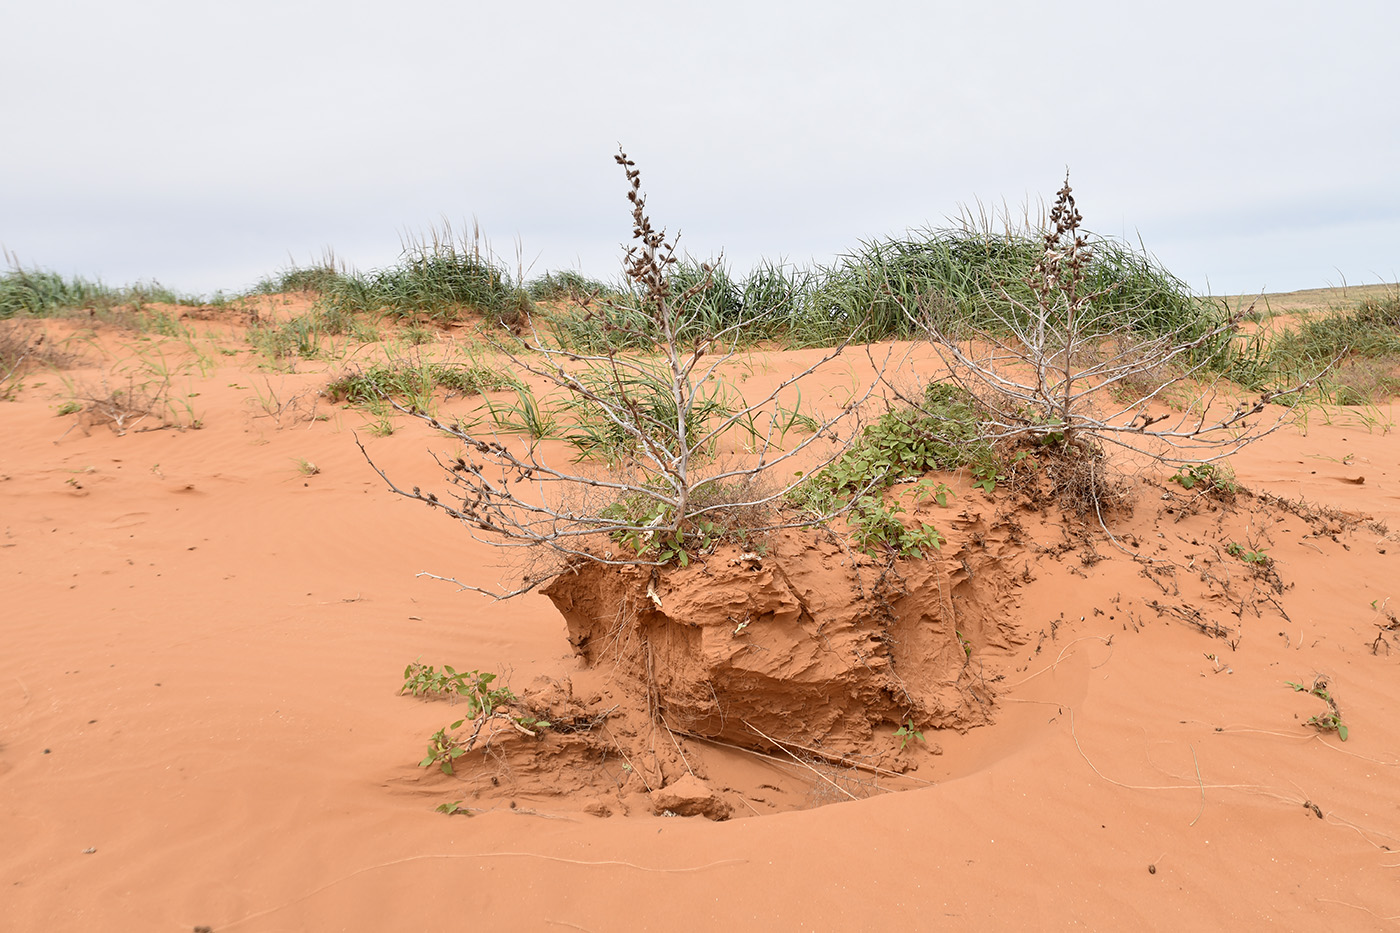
(438, 278)
(321, 278)
(639, 410)
(706, 302)
(567, 285)
(891, 288)
(309, 336)
(762, 306)
(472, 380)
(963, 277)
(774, 295)
(615, 324)
(301, 336)
(1371, 330)
(414, 384)
(38, 293)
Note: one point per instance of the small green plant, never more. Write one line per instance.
(907, 733)
(69, 408)
(270, 402)
(423, 680)
(483, 702)
(452, 808)
(984, 476)
(381, 425)
(1330, 721)
(444, 748)
(305, 336)
(643, 516)
(1209, 476)
(1258, 558)
(877, 530)
(306, 467)
(785, 419)
(929, 488)
(417, 335)
(964, 644)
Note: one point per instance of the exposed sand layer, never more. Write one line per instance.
(205, 638)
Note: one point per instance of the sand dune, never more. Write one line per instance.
(200, 726)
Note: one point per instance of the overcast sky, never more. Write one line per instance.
(1251, 145)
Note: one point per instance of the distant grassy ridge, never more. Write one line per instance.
(883, 289)
(1313, 300)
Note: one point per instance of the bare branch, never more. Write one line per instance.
(660, 414)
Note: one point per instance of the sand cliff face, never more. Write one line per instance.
(803, 641)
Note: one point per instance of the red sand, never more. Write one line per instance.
(199, 722)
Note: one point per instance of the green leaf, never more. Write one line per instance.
(1341, 732)
(427, 761)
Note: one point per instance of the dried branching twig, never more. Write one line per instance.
(661, 493)
(1045, 369)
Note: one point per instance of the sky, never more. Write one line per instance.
(1249, 146)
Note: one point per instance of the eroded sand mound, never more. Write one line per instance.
(805, 642)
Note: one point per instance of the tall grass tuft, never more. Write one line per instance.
(322, 277)
(39, 293)
(441, 277)
(567, 285)
(968, 276)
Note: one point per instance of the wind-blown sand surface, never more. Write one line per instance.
(200, 726)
